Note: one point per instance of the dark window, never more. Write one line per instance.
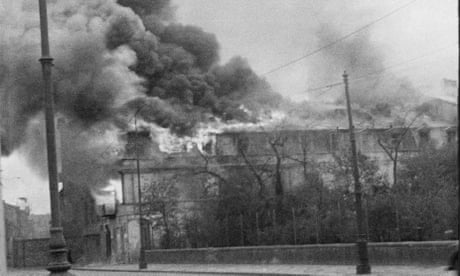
(424, 136)
(243, 144)
(395, 137)
(208, 147)
(333, 144)
(451, 136)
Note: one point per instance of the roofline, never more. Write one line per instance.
(331, 129)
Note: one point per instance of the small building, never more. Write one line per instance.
(17, 227)
(82, 226)
(442, 108)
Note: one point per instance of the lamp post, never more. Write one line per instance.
(142, 262)
(58, 251)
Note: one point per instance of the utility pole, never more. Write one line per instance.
(361, 243)
(2, 225)
(142, 262)
(458, 188)
(2, 212)
(58, 264)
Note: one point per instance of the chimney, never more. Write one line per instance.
(140, 141)
(23, 204)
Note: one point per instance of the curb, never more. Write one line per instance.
(193, 272)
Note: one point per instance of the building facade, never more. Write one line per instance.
(195, 173)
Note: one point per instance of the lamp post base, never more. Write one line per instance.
(142, 262)
(61, 274)
(363, 269)
(58, 264)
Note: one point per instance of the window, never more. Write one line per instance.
(424, 135)
(451, 135)
(333, 143)
(243, 144)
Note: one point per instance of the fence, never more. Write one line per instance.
(294, 226)
(35, 252)
(264, 228)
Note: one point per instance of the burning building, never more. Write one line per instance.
(199, 173)
(122, 61)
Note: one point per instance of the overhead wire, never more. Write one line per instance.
(375, 73)
(379, 72)
(329, 87)
(338, 40)
(307, 55)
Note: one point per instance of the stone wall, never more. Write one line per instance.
(402, 253)
(34, 252)
(30, 253)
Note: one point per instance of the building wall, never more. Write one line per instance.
(17, 223)
(21, 226)
(189, 182)
(80, 222)
(189, 174)
(443, 109)
(317, 142)
(78, 210)
(124, 230)
(41, 225)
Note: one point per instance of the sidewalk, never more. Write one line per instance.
(274, 270)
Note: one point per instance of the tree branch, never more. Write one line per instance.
(389, 153)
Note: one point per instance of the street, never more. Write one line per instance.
(275, 270)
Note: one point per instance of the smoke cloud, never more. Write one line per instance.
(114, 60)
(370, 83)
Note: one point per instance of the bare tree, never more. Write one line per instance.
(210, 169)
(392, 149)
(277, 143)
(161, 198)
(312, 181)
(259, 171)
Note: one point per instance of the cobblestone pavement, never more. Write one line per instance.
(255, 270)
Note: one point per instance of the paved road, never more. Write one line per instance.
(239, 270)
(76, 273)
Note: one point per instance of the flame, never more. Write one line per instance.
(205, 133)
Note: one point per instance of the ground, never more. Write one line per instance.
(182, 269)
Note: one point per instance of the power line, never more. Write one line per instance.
(375, 73)
(379, 72)
(338, 40)
(323, 87)
(328, 87)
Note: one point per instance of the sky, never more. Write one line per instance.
(422, 37)
(270, 33)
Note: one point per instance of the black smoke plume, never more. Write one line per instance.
(183, 80)
(114, 60)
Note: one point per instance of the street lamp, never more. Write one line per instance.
(142, 262)
(58, 264)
